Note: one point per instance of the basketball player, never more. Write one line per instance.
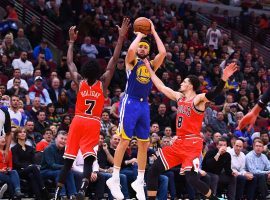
(187, 148)
(250, 118)
(85, 127)
(134, 110)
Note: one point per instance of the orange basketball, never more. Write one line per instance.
(142, 25)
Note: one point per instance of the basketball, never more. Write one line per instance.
(142, 25)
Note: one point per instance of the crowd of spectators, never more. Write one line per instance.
(40, 96)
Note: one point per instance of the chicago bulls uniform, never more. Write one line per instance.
(187, 148)
(85, 127)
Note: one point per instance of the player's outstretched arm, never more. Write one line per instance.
(250, 118)
(75, 76)
(161, 48)
(107, 76)
(211, 95)
(160, 85)
(131, 53)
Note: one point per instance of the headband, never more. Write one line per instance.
(145, 44)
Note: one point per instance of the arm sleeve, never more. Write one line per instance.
(265, 98)
(211, 95)
(7, 124)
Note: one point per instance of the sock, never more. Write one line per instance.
(140, 176)
(151, 198)
(58, 190)
(116, 172)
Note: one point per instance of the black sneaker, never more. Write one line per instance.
(80, 195)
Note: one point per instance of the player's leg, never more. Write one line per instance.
(194, 179)
(190, 166)
(128, 118)
(152, 178)
(142, 130)
(69, 155)
(88, 142)
(167, 159)
(87, 170)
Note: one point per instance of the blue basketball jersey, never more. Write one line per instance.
(139, 83)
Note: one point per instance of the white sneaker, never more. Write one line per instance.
(114, 186)
(3, 190)
(138, 187)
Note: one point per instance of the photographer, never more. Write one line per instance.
(42, 65)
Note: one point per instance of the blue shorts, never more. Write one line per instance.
(134, 119)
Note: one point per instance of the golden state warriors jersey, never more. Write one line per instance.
(139, 83)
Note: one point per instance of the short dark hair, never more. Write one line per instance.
(195, 82)
(40, 111)
(91, 70)
(47, 129)
(263, 132)
(223, 139)
(61, 132)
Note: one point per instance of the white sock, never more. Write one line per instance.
(116, 171)
(140, 176)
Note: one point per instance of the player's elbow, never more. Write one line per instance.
(163, 53)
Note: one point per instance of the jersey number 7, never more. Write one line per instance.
(91, 105)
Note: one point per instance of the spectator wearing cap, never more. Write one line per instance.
(37, 90)
(43, 48)
(31, 81)
(17, 74)
(243, 177)
(23, 64)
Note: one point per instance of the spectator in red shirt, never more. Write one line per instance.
(47, 138)
(7, 175)
(12, 14)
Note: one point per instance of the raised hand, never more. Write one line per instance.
(124, 27)
(147, 64)
(229, 71)
(73, 34)
(247, 121)
(153, 30)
